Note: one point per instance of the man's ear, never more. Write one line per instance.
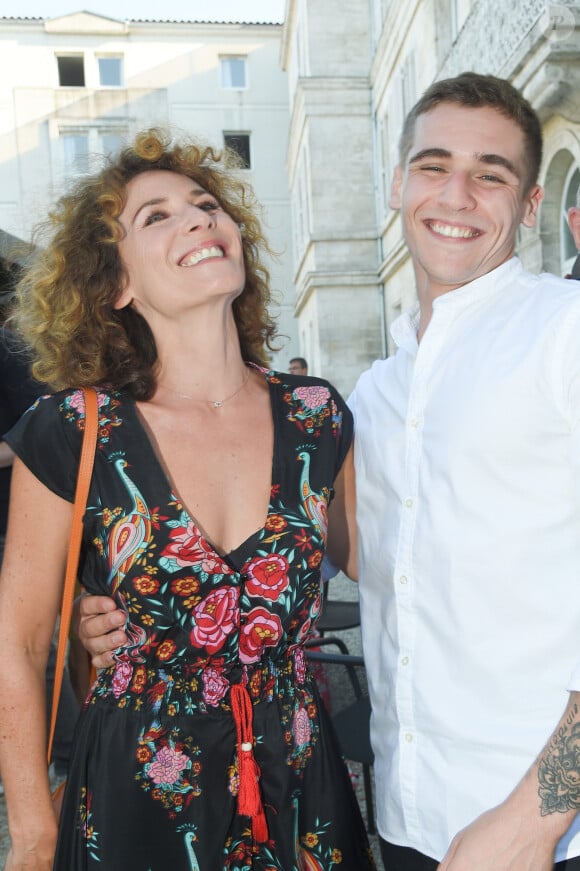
(532, 203)
(574, 222)
(396, 188)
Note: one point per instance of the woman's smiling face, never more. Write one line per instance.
(179, 246)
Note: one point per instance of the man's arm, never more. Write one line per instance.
(341, 547)
(521, 834)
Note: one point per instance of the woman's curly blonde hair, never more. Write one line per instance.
(64, 302)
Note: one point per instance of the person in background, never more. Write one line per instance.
(574, 224)
(298, 366)
(204, 745)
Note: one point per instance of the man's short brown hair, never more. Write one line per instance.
(475, 91)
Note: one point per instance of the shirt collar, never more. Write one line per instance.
(404, 328)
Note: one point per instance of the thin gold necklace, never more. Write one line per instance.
(215, 403)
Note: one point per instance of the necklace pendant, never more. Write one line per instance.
(218, 403)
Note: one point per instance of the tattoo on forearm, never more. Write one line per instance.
(559, 768)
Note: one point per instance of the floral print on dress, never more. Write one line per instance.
(261, 629)
(214, 619)
(108, 404)
(168, 767)
(91, 837)
(311, 407)
(267, 576)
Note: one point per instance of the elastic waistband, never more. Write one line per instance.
(183, 689)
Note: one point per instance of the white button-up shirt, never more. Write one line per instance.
(467, 457)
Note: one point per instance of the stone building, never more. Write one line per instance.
(78, 86)
(355, 67)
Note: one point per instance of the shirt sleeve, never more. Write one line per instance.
(48, 442)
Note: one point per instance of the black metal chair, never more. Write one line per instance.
(337, 614)
(351, 722)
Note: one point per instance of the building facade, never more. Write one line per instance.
(75, 88)
(354, 71)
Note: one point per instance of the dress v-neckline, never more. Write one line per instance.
(158, 460)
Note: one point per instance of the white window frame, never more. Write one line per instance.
(225, 81)
(110, 57)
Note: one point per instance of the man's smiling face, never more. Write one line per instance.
(463, 192)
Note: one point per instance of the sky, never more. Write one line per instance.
(167, 10)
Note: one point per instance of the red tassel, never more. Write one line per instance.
(249, 798)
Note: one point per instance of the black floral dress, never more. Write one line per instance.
(213, 688)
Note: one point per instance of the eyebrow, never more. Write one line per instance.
(156, 201)
(488, 159)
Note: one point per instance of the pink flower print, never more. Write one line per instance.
(304, 631)
(167, 766)
(301, 727)
(214, 618)
(316, 607)
(300, 665)
(213, 566)
(267, 576)
(121, 678)
(312, 397)
(186, 546)
(261, 629)
(215, 685)
(77, 401)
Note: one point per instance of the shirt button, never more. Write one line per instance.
(405, 660)
(414, 422)
(408, 503)
(408, 737)
(403, 579)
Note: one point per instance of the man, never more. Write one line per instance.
(467, 469)
(298, 366)
(468, 465)
(574, 224)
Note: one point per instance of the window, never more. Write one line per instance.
(233, 72)
(71, 71)
(111, 143)
(75, 152)
(110, 72)
(569, 252)
(81, 144)
(240, 143)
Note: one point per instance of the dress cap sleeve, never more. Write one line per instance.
(47, 439)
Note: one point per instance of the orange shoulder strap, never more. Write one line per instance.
(74, 548)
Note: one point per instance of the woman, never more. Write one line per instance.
(204, 745)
